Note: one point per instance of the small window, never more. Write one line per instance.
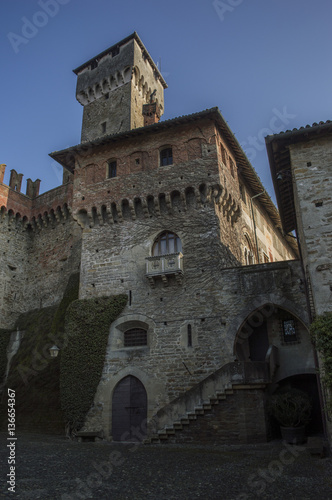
(94, 64)
(243, 194)
(166, 243)
(166, 157)
(103, 127)
(112, 169)
(135, 337)
(115, 51)
(231, 167)
(190, 339)
(289, 331)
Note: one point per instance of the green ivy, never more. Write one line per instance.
(321, 334)
(4, 341)
(34, 375)
(83, 357)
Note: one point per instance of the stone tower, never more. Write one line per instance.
(120, 89)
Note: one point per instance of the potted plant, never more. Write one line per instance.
(292, 409)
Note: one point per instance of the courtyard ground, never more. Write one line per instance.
(55, 468)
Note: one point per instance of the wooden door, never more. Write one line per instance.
(129, 410)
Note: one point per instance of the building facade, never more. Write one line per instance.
(172, 214)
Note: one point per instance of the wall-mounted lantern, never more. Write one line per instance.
(54, 351)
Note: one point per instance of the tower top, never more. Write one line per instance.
(115, 88)
(114, 50)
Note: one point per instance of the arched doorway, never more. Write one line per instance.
(129, 410)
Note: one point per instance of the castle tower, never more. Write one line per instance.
(117, 89)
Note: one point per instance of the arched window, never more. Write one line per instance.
(166, 243)
(248, 252)
(135, 337)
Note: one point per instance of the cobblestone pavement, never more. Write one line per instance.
(52, 468)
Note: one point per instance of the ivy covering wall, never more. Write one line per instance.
(54, 392)
(4, 341)
(321, 333)
(82, 360)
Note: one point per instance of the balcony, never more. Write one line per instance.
(163, 267)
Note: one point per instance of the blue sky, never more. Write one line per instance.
(265, 63)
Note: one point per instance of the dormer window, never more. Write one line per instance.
(166, 157)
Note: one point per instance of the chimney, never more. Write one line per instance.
(151, 113)
(2, 171)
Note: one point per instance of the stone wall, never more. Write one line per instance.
(312, 168)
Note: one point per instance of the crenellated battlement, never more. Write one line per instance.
(32, 210)
(156, 205)
(15, 182)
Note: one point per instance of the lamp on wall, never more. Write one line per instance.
(54, 351)
(282, 174)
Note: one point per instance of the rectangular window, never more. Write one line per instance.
(289, 332)
(103, 127)
(166, 157)
(112, 169)
(135, 337)
(243, 194)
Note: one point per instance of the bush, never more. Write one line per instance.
(291, 408)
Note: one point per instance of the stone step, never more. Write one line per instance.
(170, 430)
(192, 416)
(177, 426)
(199, 410)
(221, 396)
(229, 391)
(185, 421)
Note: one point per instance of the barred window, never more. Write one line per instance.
(289, 331)
(135, 337)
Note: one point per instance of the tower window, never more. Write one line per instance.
(103, 127)
(115, 51)
(94, 64)
(166, 157)
(135, 337)
(189, 333)
(112, 169)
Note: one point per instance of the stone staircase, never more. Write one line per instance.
(163, 435)
(206, 397)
